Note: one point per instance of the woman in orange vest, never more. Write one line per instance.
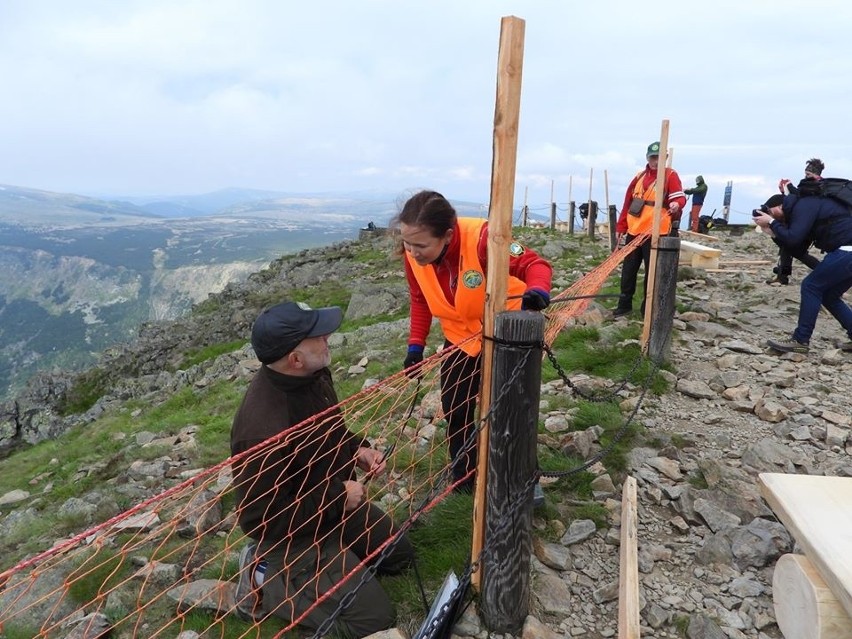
(637, 217)
(445, 264)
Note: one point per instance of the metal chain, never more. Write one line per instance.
(597, 398)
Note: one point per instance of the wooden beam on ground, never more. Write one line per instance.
(698, 236)
(805, 607)
(628, 574)
(700, 256)
(510, 62)
(817, 512)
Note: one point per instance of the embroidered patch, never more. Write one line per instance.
(472, 279)
(516, 250)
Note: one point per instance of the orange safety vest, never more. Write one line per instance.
(644, 222)
(463, 318)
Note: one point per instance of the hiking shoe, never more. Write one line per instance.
(787, 346)
(246, 596)
(846, 347)
(779, 279)
(621, 312)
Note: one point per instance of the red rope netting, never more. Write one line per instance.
(154, 569)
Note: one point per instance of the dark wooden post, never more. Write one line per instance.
(665, 292)
(590, 218)
(572, 206)
(511, 466)
(552, 215)
(613, 220)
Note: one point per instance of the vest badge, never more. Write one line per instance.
(472, 279)
(516, 250)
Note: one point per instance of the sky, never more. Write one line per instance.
(169, 97)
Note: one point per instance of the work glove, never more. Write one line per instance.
(535, 299)
(414, 357)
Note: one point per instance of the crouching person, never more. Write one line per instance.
(298, 498)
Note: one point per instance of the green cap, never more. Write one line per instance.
(653, 149)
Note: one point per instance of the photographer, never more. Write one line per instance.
(828, 224)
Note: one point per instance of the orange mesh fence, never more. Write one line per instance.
(170, 563)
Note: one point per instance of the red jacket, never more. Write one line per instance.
(673, 193)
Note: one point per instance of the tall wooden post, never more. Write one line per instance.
(572, 210)
(610, 217)
(590, 219)
(553, 215)
(510, 62)
(526, 208)
(511, 467)
(655, 233)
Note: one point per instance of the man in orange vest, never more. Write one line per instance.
(637, 217)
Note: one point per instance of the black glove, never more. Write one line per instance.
(414, 357)
(535, 299)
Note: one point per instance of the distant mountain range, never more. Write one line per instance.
(78, 273)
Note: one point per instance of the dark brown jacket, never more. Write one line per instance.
(292, 485)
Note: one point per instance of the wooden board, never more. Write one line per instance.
(817, 511)
(628, 575)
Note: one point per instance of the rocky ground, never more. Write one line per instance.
(707, 541)
(734, 409)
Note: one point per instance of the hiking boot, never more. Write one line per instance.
(846, 347)
(246, 596)
(787, 346)
(621, 312)
(779, 279)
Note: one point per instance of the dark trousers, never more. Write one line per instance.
(310, 568)
(785, 259)
(630, 273)
(459, 391)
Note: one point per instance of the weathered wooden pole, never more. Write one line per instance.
(590, 218)
(665, 293)
(511, 467)
(526, 208)
(612, 213)
(628, 575)
(507, 108)
(553, 215)
(572, 209)
(609, 213)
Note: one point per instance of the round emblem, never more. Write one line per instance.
(472, 279)
(516, 250)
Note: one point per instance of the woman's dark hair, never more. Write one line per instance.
(428, 209)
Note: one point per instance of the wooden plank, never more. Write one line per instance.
(817, 511)
(755, 262)
(699, 236)
(628, 575)
(805, 607)
(699, 249)
(510, 62)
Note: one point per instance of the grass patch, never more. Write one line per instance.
(87, 388)
(196, 356)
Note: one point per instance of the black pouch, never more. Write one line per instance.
(636, 206)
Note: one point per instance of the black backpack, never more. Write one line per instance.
(839, 189)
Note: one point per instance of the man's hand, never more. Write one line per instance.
(413, 358)
(763, 220)
(782, 186)
(355, 495)
(674, 207)
(370, 460)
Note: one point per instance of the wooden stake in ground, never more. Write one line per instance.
(628, 575)
(655, 233)
(510, 62)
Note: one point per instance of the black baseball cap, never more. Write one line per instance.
(280, 328)
(773, 201)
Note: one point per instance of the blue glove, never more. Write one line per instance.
(414, 357)
(535, 299)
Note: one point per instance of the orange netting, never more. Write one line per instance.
(158, 567)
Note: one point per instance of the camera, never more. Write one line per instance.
(760, 211)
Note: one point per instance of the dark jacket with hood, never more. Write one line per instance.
(822, 220)
(294, 484)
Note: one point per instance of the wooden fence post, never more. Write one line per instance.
(511, 465)
(613, 220)
(665, 292)
(571, 210)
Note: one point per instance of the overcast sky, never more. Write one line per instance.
(188, 96)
